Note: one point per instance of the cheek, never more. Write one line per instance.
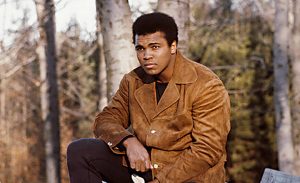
(164, 59)
(140, 58)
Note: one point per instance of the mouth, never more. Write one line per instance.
(149, 65)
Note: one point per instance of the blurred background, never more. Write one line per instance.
(62, 60)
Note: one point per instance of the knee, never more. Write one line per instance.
(76, 148)
(76, 154)
(84, 147)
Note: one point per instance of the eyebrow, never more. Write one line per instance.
(138, 46)
(151, 44)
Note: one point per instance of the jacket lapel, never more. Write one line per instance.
(145, 96)
(169, 97)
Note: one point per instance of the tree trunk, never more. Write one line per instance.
(115, 19)
(101, 71)
(5, 171)
(295, 65)
(180, 11)
(49, 89)
(281, 88)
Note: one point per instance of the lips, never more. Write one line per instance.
(149, 65)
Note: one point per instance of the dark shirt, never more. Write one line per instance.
(160, 88)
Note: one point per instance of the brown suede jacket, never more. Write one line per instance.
(186, 131)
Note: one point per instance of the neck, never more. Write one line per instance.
(166, 75)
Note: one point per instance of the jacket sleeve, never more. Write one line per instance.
(110, 124)
(211, 125)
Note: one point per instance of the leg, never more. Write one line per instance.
(91, 161)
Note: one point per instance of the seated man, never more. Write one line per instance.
(178, 111)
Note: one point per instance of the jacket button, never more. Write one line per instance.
(153, 131)
(109, 143)
(155, 165)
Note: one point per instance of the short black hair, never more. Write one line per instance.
(153, 22)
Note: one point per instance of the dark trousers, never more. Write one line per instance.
(91, 161)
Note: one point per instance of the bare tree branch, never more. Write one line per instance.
(17, 68)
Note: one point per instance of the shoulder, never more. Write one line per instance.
(204, 74)
(208, 85)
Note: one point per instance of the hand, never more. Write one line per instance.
(137, 154)
(154, 181)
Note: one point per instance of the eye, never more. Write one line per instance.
(139, 48)
(155, 47)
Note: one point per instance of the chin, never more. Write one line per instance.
(150, 72)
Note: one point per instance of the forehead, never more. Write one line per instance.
(157, 37)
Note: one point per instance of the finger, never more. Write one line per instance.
(139, 166)
(148, 164)
(132, 165)
(145, 165)
(143, 168)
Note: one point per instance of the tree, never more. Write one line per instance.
(4, 142)
(100, 60)
(281, 88)
(19, 111)
(115, 20)
(180, 11)
(49, 90)
(295, 66)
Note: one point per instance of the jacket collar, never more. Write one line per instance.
(183, 73)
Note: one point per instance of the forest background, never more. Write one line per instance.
(52, 83)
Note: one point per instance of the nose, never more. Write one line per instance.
(147, 54)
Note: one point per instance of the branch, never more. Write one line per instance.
(91, 51)
(73, 112)
(17, 68)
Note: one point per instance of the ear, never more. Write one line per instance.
(173, 47)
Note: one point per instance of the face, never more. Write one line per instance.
(156, 57)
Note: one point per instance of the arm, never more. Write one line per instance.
(210, 113)
(110, 124)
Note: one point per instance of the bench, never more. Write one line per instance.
(275, 176)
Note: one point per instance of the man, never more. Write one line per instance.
(178, 112)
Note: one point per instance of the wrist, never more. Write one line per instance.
(127, 141)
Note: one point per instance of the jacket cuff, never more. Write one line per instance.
(114, 143)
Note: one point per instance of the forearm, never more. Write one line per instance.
(110, 125)
(111, 132)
